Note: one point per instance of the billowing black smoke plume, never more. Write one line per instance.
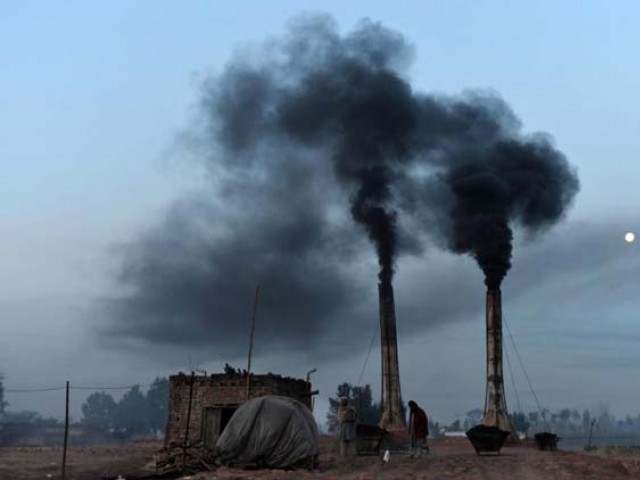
(525, 181)
(340, 94)
(300, 134)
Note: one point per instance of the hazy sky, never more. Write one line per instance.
(95, 100)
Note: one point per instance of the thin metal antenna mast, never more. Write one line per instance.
(253, 327)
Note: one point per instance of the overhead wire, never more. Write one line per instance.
(513, 380)
(108, 388)
(71, 387)
(32, 390)
(366, 360)
(524, 370)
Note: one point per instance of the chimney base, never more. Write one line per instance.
(396, 426)
(392, 418)
(495, 410)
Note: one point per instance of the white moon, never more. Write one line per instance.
(629, 237)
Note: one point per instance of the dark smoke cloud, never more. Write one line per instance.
(303, 133)
(340, 93)
(191, 279)
(517, 180)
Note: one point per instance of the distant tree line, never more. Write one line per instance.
(136, 413)
(360, 398)
(22, 417)
(566, 421)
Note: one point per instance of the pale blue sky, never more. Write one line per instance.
(94, 94)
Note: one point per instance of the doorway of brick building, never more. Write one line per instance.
(214, 421)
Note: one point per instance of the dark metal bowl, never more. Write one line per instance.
(486, 439)
(370, 439)
(546, 440)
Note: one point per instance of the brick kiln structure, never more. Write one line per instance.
(495, 407)
(392, 415)
(214, 398)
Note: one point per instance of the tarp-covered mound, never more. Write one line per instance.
(269, 432)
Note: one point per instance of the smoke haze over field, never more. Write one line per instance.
(302, 130)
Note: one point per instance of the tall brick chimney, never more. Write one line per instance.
(495, 407)
(392, 418)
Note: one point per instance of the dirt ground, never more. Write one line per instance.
(83, 463)
(449, 459)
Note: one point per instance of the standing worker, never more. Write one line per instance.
(419, 428)
(347, 420)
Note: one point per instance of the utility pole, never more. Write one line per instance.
(253, 327)
(185, 446)
(313, 400)
(66, 434)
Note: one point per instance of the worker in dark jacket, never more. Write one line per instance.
(419, 428)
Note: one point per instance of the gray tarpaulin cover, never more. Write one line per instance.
(273, 432)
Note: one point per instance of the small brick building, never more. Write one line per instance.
(214, 399)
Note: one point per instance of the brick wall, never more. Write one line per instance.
(221, 390)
